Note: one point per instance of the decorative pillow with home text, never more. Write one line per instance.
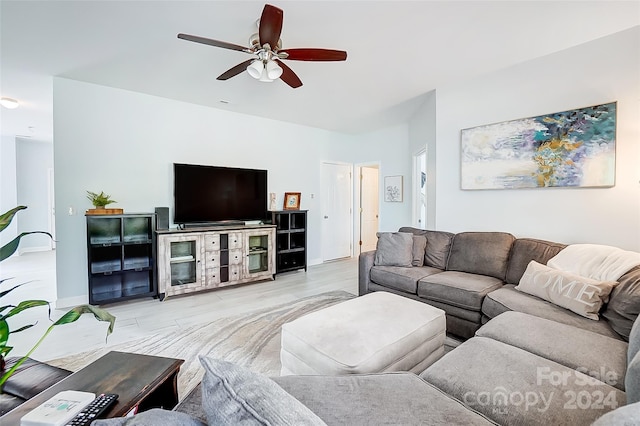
(581, 295)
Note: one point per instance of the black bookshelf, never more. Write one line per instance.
(291, 239)
(121, 257)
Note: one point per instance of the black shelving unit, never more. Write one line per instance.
(291, 239)
(121, 254)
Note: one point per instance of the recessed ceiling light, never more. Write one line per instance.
(9, 103)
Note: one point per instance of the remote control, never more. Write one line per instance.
(94, 409)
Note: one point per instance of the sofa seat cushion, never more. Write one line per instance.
(508, 298)
(596, 355)
(404, 279)
(509, 384)
(484, 253)
(390, 398)
(460, 289)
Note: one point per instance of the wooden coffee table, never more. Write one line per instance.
(141, 381)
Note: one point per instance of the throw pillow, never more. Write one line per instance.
(581, 295)
(234, 395)
(419, 247)
(153, 417)
(394, 249)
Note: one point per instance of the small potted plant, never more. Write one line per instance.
(100, 200)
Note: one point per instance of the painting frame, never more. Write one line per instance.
(568, 149)
(393, 189)
(291, 201)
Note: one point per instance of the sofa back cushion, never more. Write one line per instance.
(394, 249)
(484, 253)
(438, 246)
(624, 303)
(632, 378)
(524, 250)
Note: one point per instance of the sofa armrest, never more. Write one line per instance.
(365, 263)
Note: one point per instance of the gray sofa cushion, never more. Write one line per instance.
(465, 290)
(634, 340)
(629, 415)
(508, 298)
(233, 395)
(596, 355)
(632, 380)
(514, 384)
(404, 279)
(484, 253)
(524, 250)
(153, 417)
(624, 303)
(390, 398)
(438, 246)
(417, 252)
(394, 249)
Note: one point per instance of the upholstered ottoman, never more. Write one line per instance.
(373, 333)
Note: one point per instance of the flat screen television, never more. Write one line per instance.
(211, 194)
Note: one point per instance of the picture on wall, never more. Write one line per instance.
(393, 189)
(574, 148)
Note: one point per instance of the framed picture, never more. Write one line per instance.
(393, 189)
(575, 148)
(291, 201)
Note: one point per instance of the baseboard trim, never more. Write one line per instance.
(70, 302)
(313, 262)
(22, 251)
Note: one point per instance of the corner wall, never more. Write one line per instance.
(597, 72)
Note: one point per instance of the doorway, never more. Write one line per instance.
(369, 191)
(420, 185)
(336, 211)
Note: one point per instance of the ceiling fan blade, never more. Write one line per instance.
(270, 25)
(235, 70)
(288, 76)
(314, 54)
(215, 43)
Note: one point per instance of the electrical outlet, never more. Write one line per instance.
(72, 211)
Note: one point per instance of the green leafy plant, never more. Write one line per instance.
(9, 310)
(100, 200)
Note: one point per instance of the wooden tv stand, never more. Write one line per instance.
(196, 259)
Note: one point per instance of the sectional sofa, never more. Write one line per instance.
(525, 360)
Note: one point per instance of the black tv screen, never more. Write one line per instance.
(205, 194)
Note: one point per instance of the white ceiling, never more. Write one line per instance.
(397, 52)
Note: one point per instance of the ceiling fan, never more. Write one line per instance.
(266, 47)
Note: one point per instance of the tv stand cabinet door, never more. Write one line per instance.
(180, 263)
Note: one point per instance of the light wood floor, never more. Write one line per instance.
(149, 316)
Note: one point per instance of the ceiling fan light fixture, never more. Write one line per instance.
(255, 69)
(273, 70)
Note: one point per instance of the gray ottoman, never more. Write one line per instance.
(373, 333)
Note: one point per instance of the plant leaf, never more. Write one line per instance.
(100, 314)
(24, 305)
(6, 218)
(4, 333)
(11, 247)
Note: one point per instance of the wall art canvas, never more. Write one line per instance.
(393, 189)
(573, 148)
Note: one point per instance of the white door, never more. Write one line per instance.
(369, 208)
(336, 211)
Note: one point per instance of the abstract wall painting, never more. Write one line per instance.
(574, 148)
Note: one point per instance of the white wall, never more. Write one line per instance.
(33, 161)
(124, 143)
(598, 72)
(8, 188)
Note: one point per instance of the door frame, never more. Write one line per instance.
(351, 203)
(358, 200)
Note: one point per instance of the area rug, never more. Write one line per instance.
(251, 340)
